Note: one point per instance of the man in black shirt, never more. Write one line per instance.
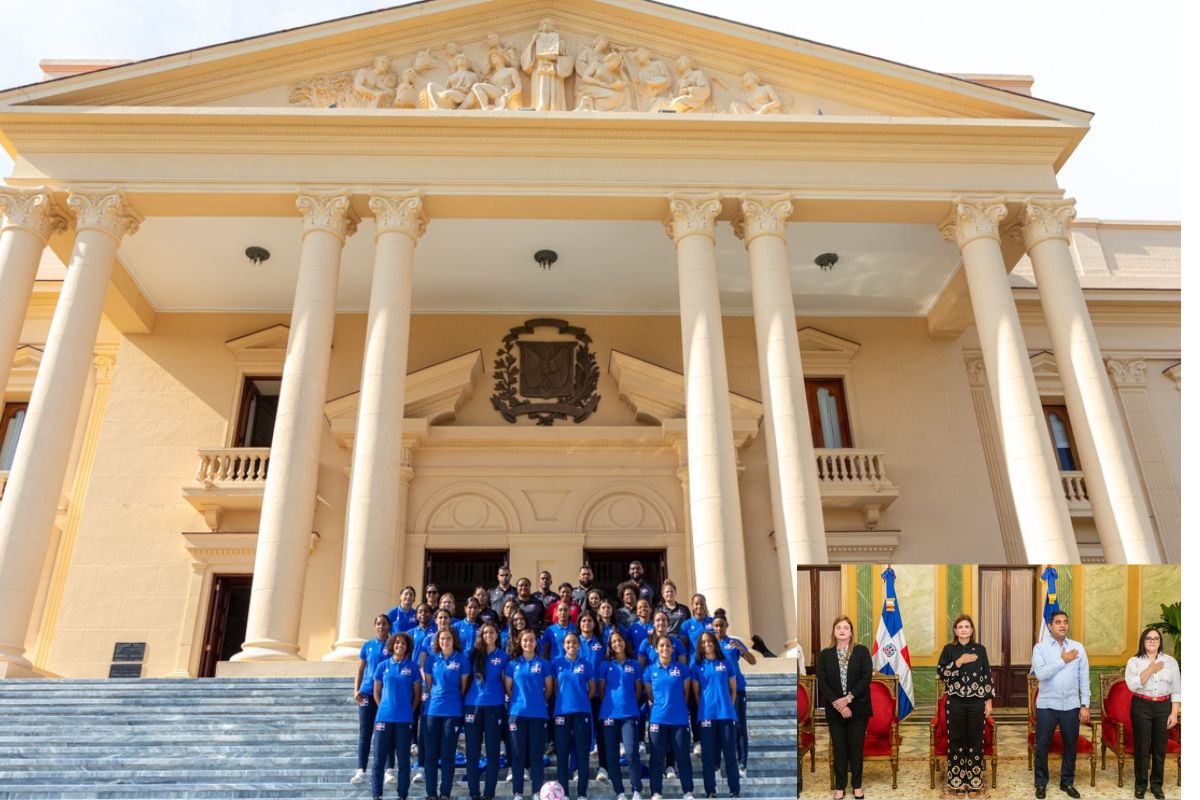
(579, 594)
(545, 592)
(644, 590)
(503, 590)
(535, 612)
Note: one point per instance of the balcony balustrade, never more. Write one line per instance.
(1075, 489)
(853, 478)
(228, 479)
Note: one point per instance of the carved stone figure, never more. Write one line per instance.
(494, 42)
(503, 87)
(761, 98)
(548, 64)
(456, 94)
(375, 86)
(408, 93)
(591, 53)
(693, 91)
(604, 87)
(653, 81)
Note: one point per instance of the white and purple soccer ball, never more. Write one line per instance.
(552, 790)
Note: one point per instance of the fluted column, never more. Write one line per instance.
(374, 525)
(289, 497)
(40, 462)
(716, 513)
(28, 218)
(1032, 471)
(1108, 467)
(791, 461)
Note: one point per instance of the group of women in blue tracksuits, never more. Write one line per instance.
(574, 684)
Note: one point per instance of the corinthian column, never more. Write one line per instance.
(40, 462)
(374, 525)
(1108, 467)
(716, 512)
(1028, 458)
(28, 218)
(289, 497)
(795, 492)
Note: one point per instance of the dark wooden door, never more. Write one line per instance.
(460, 571)
(819, 603)
(1007, 603)
(611, 568)
(228, 610)
(827, 414)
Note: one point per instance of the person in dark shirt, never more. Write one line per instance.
(627, 611)
(535, 612)
(503, 589)
(677, 613)
(486, 612)
(586, 577)
(545, 592)
(636, 576)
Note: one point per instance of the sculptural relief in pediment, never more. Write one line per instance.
(546, 70)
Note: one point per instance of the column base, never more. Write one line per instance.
(344, 651)
(268, 651)
(9, 669)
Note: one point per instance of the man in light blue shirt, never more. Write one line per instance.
(1064, 693)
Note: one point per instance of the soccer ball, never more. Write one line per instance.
(552, 790)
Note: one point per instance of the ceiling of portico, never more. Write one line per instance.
(186, 264)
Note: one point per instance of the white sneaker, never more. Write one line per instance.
(418, 776)
(696, 749)
(389, 776)
(642, 748)
(636, 796)
(509, 778)
(359, 777)
(621, 796)
(622, 751)
(518, 797)
(742, 771)
(670, 773)
(602, 774)
(688, 796)
(656, 797)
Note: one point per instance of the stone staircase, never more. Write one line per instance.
(260, 738)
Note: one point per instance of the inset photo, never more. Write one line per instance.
(972, 680)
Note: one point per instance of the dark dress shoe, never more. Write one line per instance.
(1139, 792)
(1070, 790)
(1158, 793)
(1039, 792)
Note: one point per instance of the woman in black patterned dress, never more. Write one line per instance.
(964, 668)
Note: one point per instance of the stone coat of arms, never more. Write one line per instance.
(546, 380)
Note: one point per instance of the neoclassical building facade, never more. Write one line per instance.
(402, 296)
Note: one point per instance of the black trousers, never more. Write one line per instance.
(847, 737)
(1149, 739)
(1068, 723)
(964, 728)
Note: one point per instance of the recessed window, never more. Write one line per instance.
(256, 417)
(10, 431)
(1061, 437)
(827, 413)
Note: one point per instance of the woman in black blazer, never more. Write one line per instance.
(844, 672)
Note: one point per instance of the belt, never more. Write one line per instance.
(1162, 699)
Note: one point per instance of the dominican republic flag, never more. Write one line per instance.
(1050, 576)
(890, 653)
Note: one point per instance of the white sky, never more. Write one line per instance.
(1125, 67)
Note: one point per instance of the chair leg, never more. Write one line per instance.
(993, 770)
(1093, 766)
(895, 770)
(812, 758)
(1120, 769)
(932, 771)
(1103, 753)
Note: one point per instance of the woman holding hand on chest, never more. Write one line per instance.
(844, 685)
(963, 667)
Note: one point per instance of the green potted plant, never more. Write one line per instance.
(1169, 625)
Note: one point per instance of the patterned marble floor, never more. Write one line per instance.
(1014, 780)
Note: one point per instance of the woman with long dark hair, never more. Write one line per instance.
(397, 691)
(963, 667)
(530, 684)
(620, 688)
(447, 674)
(370, 655)
(844, 685)
(483, 713)
(1153, 677)
(715, 677)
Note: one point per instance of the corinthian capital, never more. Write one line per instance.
(31, 210)
(1047, 219)
(399, 213)
(973, 219)
(104, 210)
(692, 214)
(327, 211)
(1127, 373)
(763, 214)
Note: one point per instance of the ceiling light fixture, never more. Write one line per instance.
(257, 254)
(826, 261)
(545, 258)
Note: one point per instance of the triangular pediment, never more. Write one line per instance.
(262, 349)
(332, 65)
(656, 394)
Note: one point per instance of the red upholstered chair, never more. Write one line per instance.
(883, 728)
(1116, 729)
(939, 740)
(1084, 745)
(806, 710)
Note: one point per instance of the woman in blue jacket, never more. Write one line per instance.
(397, 690)
(668, 683)
(715, 678)
(483, 718)
(619, 684)
(530, 684)
(370, 655)
(574, 686)
(447, 674)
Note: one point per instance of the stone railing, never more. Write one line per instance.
(240, 465)
(851, 478)
(1076, 492)
(852, 467)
